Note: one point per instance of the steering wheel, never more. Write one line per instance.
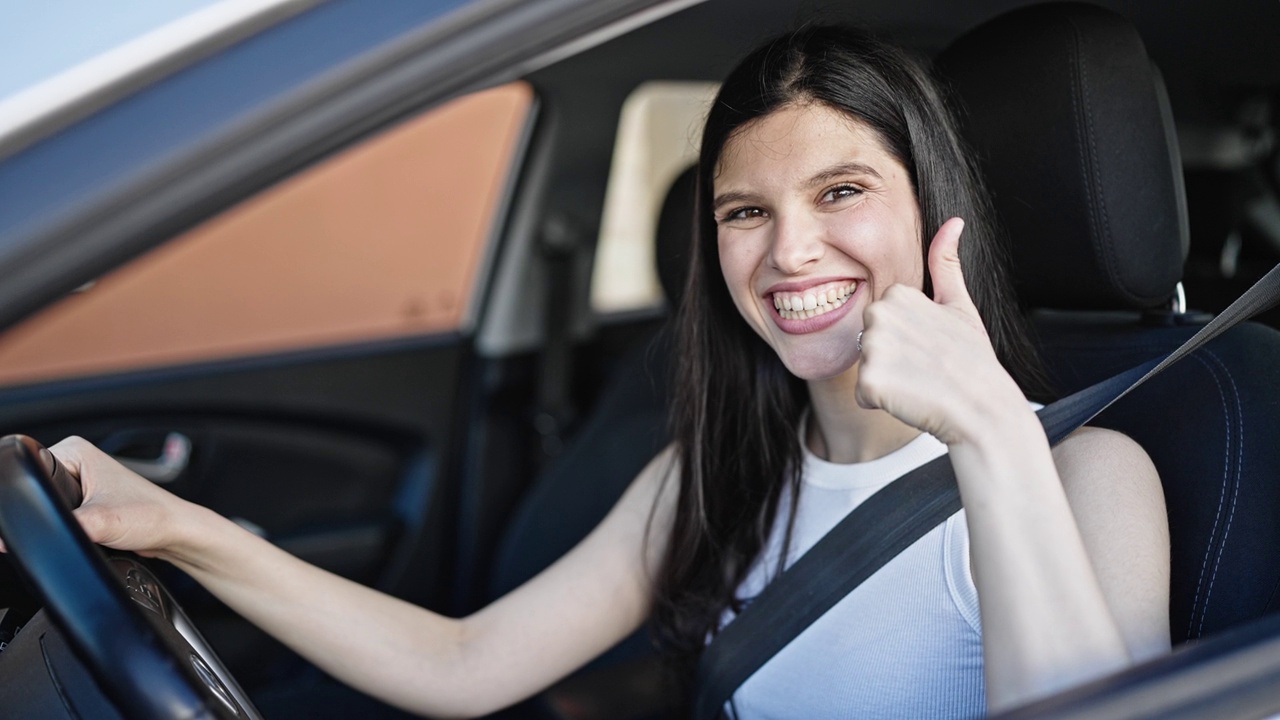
(135, 641)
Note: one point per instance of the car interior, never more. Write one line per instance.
(1130, 151)
(1067, 113)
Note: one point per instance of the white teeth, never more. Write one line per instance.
(812, 304)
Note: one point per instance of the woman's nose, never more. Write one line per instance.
(796, 243)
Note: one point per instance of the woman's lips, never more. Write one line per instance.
(814, 308)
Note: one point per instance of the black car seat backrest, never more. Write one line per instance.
(1073, 131)
(1078, 153)
(617, 438)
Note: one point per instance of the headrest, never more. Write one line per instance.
(1073, 131)
(675, 235)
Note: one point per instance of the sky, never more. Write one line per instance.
(40, 38)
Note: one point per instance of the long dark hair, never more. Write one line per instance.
(736, 408)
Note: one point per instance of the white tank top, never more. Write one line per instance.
(907, 643)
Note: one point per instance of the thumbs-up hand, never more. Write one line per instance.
(944, 268)
(929, 361)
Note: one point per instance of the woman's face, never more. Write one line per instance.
(815, 220)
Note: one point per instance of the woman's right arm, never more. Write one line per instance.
(423, 662)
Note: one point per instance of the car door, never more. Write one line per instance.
(296, 362)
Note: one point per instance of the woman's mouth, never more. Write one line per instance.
(813, 301)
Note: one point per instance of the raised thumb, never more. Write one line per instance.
(944, 265)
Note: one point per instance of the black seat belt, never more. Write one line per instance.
(559, 241)
(891, 520)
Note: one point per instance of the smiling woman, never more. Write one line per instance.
(800, 180)
(830, 169)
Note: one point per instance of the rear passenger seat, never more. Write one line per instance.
(626, 428)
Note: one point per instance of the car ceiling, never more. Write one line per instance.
(1211, 54)
(1229, 43)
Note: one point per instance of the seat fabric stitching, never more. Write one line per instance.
(1090, 164)
(1221, 502)
(1235, 492)
(1204, 570)
(1081, 132)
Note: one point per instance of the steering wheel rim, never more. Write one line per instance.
(145, 662)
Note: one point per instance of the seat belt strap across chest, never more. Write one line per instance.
(891, 520)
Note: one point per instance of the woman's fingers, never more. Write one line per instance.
(120, 509)
(65, 456)
(896, 324)
(68, 452)
(96, 524)
(864, 400)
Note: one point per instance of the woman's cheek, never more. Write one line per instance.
(739, 262)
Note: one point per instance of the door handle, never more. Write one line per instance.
(173, 459)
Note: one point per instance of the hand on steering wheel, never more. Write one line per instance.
(134, 639)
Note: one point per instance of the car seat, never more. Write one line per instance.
(623, 431)
(1074, 133)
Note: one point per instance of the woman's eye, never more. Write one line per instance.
(840, 192)
(745, 213)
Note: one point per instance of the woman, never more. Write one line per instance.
(829, 164)
(833, 327)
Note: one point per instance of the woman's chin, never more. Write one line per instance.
(820, 366)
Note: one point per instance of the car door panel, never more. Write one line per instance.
(331, 455)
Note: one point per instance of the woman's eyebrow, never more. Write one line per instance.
(839, 170)
(733, 197)
(842, 170)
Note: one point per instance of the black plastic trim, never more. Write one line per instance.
(1232, 676)
(487, 268)
(63, 387)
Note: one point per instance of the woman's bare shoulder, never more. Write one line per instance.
(1091, 455)
(660, 479)
(1112, 486)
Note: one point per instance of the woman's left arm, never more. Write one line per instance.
(1118, 505)
(1069, 546)
(1070, 555)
